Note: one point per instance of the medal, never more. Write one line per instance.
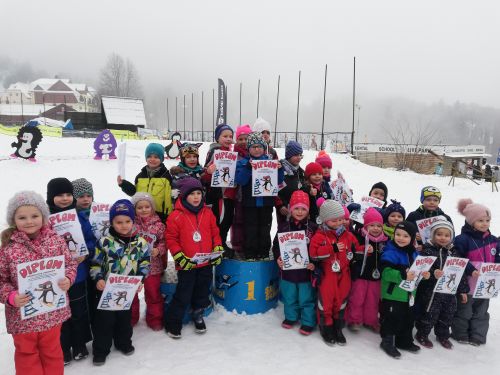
(336, 266)
(299, 185)
(411, 302)
(493, 251)
(318, 221)
(325, 195)
(376, 274)
(196, 236)
(350, 255)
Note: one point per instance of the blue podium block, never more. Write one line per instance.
(250, 287)
(168, 290)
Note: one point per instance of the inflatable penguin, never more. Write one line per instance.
(105, 144)
(173, 149)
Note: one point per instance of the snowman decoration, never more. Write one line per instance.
(28, 139)
(105, 145)
(173, 149)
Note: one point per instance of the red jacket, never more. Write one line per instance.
(154, 226)
(20, 250)
(181, 225)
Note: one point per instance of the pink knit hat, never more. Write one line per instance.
(243, 129)
(472, 211)
(347, 214)
(324, 159)
(372, 216)
(299, 199)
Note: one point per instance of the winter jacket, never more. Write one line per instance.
(478, 247)
(157, 183)
(372, 262)
(395, 262)
(182, 224)
(20, 250)
(324, 192)
(421, 213)
(214, 194)
(124, 256)
(294, 276)
(389, 231)
(181, 171)
(244, 178)
(293, 180)
(152, 225)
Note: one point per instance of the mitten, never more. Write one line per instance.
(316, 277)
(217, 248)
(354, 207)
(183, 261)
(174, 193)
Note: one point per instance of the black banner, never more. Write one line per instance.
(221, 103)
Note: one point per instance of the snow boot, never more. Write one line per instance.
(412, 348)
(424, 341)
(288, 324)
(67, 357)
(327, 334)
(99, 360)
(474, 342)
(199, 323)
(337, 333)
(354, 327)
(387, 345)
(445, 343)
(306, 330)
(80, 353)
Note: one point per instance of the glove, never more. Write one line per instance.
(354, 207)
(183, 261)
(174, 193)
(217, 248)
(216, 261)
(316, 277)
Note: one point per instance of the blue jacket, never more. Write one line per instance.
(83, 269)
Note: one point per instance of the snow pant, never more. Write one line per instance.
(92, 300)
(109, 327)
(364, 302)
(471, 320)
(193, 288)
(223, 210)
(154, 303)
(39, 353)
(396, 319)
(439, 315)
(237, 229)
(299, 300)
(257, 222)
(75, 331)
(333, 292)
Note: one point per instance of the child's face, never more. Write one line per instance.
(153, 161)
(143, 209)
(316, 178)
(394, 219)
(28, 219)
(256, 151)
(378, 193)
(299, 213)
(326, 171)
(374, 229)
(335, 223)
(195, 198)
(242, 140)
(401, 238)
(295, 159)
(122, 224)
(442, 237)
(226, 138)
(346, 222)
(191, 160)
(84, 202)
(63, 200)
(431, 203)
(266, 135)
(482, 224)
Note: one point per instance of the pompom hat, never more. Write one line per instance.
(141, 196)
(473, 211)
(372, 216)
(26, 198)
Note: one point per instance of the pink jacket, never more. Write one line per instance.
(20, 250)
(154, 226)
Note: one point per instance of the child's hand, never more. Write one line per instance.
(340, 245)
(21, 299)
(284, 211)
(279, 165)
(475, 274)
(101, 284)
(211, 169)
(155, 252)
(313, 191)
(64, 284)
(418, 248)
(410, 275)
(344, 196)
(80, 259)
(438, 273)
(119, 179)
(370, 249)
(418, 237)
(280, 263)
(426, 275)
(463, 297)
(310, 267)
(140, 288)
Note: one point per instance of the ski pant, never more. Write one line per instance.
(333, 293)
(396, 319)
(257, 222)
(237, 229)
(154, 303)
(438, 316)
(92, 300)
(223, 209)
(299, 300)
(193, 288)
(364, 301)
(471, 320)
(75, 331)
(39, 353)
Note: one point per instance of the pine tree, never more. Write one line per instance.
(256, 187)
(105, 301)
(215, 178)
(62, 301)
(29, 309)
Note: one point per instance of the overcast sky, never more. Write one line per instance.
(423, 50)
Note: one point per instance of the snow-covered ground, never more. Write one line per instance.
(251, 344)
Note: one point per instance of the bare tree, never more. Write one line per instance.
(119, 77)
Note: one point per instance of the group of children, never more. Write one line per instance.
(353, 276)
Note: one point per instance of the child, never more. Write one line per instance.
(153, 179)
(293, 177)
(333, 247)
(242, 133)
(299, 297)
(84, 195)
(393, 215)
(125, 253)
(188, 166)
(438, 309)
(29, 238)
(191, 229)
(75, 332)
(476, 243)
(258, 213)
(364, 297)
(325, 161)
(149, 226)
(396, 315)
(263, 127)
(317, 188)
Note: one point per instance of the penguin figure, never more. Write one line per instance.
(173, 149)
(28, 139)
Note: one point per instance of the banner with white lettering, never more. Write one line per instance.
(39, 280)
(424, 226)
(488, 282)
(341, 192)
(453, 271)
(366, 202)
(421, 264)
(119, 292)
(264, 178)
(67, 225)
(225, 168)
(293, 250)
(221, 102)
(99, 219)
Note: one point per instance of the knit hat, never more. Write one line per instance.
(382, 186)
(442, 224)
(141, 196)
(261, 125)
(324, 159)
(293, 148)
(82, 186)
(299, 199)
(122, 207)
(395, 206)
(409, 228)
(347, 214)
(155, 149)
(372, 216)
(188, 185)
(219, 129)
(429, 191)
(243, 129)
(255, 138)
(189, 149)
(26, 198)
(56, 186)
(330, 209)
(313, 168)
(472, 211)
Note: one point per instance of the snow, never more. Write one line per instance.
(125, 111)
(24, 109)
(253, 344)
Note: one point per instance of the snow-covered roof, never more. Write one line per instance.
(26, 109)
(124, 111)
(46, 83)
